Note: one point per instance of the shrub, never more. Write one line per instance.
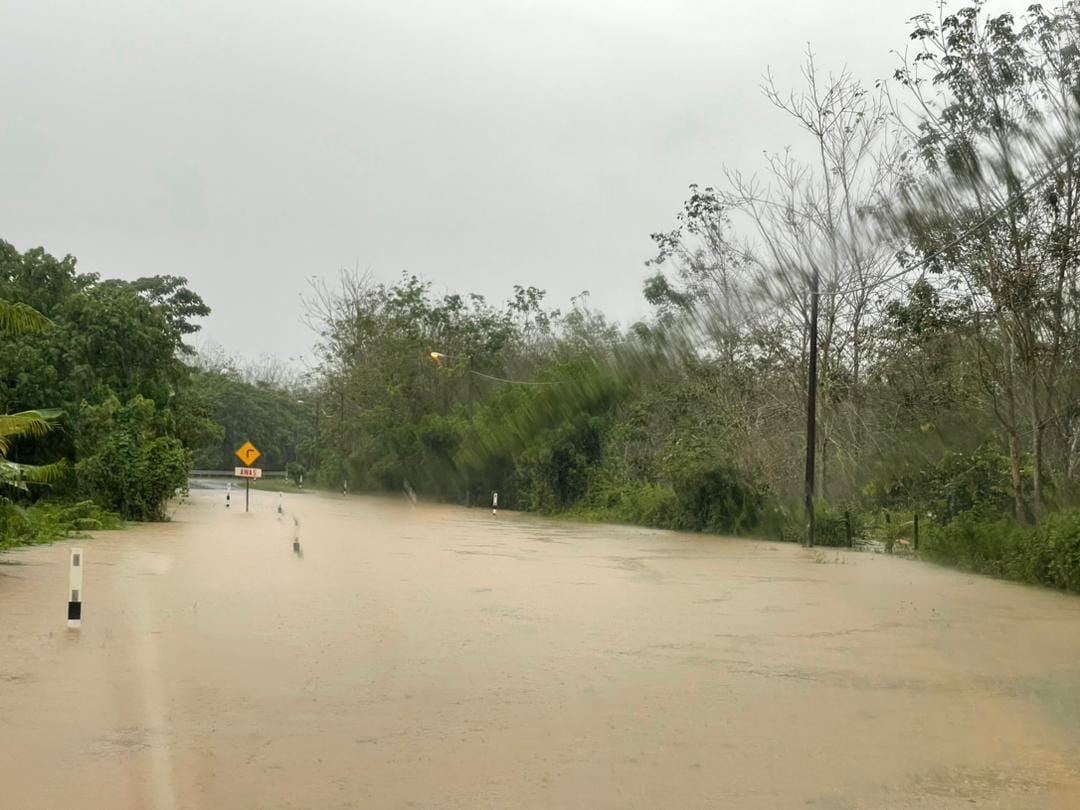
(830, 523)
(641, 504)
(1050, 553)
(986, 545)
(125, 465)
(718, 499)
(1045, 554)
(45, 522)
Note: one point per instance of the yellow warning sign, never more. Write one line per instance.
(248, 453)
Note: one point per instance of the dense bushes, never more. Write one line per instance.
(111, 364)
(45, 522)
(718, 499)
(128, 463)
(953, 484)
(641, 504)
(831, 523)
(1045, 554)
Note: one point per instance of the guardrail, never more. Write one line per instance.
(229, 474)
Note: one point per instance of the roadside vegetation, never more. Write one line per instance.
(937, 217)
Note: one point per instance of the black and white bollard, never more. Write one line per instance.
(495, 503)
(296, 536)
(75, 587)
(345, 487)
(280, 506)
(228, 494)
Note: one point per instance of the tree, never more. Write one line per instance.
(127, 461)
(232, 410)
(994, 130)
(20, 319)
(749, 255)
(107, 342)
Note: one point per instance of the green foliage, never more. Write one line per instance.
(125, 463)
(955, 483)
(1045, 554)
(222, 411)
(45, 522)
(718, 499)
(295, 472)
(20, 319)
(105, 342)
(554, 469)
(641, 504)
(788, 522)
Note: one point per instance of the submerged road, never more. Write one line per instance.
(437, 657)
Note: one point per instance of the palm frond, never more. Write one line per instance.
(25, 423)
(19, 476)
(19, 319)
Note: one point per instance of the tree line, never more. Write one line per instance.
(107, 406)
(931, 220)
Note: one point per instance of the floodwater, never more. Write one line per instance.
(439, 657)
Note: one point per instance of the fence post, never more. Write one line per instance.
(847, 528)
(915, 532)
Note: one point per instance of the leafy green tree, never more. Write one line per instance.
(998, 206)
(231, 410)
(109, 342)
(17, 318)
(126, 462)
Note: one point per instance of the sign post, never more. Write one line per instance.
(248, 454)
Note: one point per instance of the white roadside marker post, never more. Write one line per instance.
(296, 535)
(228, 493)
(75, 583)
(280, 507)
(495, 503)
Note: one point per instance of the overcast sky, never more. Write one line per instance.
(251, 144)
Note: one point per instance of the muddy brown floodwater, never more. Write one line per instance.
(439, 657)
